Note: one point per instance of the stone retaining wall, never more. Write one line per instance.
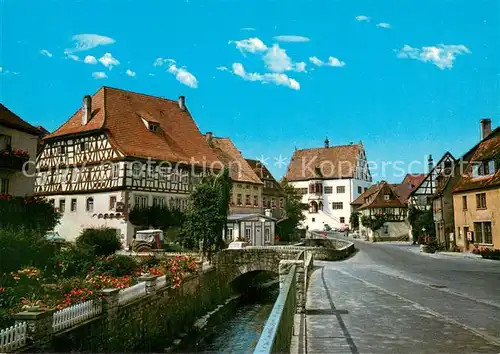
(148, 324)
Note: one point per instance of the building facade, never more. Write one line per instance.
(381, 200)
(246, 194)
(256, 229)
(476, 197)
(121, 150)
(273, 197)
(329, 179)
(18, 148)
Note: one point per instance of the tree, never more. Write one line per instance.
(206, 218)
(419, 220)
(375, 222)
(354, 220)
(31, 213)
(293, 212)
(156, 216)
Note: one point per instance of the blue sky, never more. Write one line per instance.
(408, 78)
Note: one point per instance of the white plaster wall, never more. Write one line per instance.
(328, 215)
(73, 223)
(21, 184)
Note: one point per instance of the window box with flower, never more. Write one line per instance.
(13, 159)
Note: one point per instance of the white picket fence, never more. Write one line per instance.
(75, 314)
(13, 337)
(161, 282)
(128, 294)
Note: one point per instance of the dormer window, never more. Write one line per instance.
(153, 127)
(483, 168)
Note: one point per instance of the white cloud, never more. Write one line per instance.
(332, 61)
(222, 68)
(89, 59)
(300, 67)
(183, 76)
(384, 25)
(151, 74)
(162, 61)
(4, 71)
(130, 73)
(250, 45)
(316, 61)
(46, 53)
(99, 75)
(248, 29)
(363, 18)
(73, 57)
(275, 78)
(443, 56)
(88, 41)
(109, 61)
(291, 38)
(277, 60)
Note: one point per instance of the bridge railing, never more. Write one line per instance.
(277, 332)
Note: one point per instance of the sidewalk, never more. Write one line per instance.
(440, 254)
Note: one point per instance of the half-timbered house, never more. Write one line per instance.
(121, 150)
(381, 200)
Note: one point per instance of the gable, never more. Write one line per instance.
(428, 186)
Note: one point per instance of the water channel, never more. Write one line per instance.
(236, 326)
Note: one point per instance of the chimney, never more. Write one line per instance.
(327, 143)
(182, 103)
(430, 163)
(485, 127)
(86, 109)
(208, 137)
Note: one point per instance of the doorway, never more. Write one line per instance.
(258, 236)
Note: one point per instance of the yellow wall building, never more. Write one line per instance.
(476, 197)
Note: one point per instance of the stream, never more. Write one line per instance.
(236, 326)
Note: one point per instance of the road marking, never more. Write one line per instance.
(387, 271)
(491, 339)
(438, 288)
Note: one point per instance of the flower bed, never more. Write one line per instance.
(30, 287)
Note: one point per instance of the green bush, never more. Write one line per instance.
(103, 241)
(117, 265)
(21, 247)
(28, 213)
(72, 261)
(149, 261)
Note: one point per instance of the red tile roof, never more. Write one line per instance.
(376, 199)
(119, 113)
(410, 183)
(332, 162)
(264, 174)
(487, 149)
(12, 120)
(231, 157)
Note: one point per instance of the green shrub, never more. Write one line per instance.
(21, 247)
(28, 213)
(103, 241)
(149, 261)
(72, 261)
(117, 265)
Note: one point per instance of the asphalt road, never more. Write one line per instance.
(389, 299)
